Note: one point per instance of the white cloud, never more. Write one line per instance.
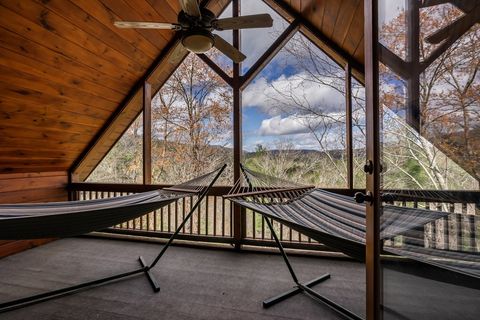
(287, 92)
(295, 124)
(277, 126)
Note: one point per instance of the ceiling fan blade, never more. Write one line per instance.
(244, 22)
(146, 25)
(228, 50)
(190, 7)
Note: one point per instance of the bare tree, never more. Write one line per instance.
(192, 124)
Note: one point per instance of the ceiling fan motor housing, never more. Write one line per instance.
(197, 36)
(198, 40)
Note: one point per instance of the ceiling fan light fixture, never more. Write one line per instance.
(198, 41)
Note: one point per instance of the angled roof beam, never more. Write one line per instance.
(270, 53)
(216, 68)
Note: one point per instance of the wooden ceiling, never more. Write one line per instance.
(339, 21)
(65, 71)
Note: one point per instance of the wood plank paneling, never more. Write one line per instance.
(64, 69)
(30, 187)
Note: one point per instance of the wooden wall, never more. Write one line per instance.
(30, 187)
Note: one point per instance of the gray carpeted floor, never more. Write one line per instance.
(195, 283)
(210, 284)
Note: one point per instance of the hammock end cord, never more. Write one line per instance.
(257, 186)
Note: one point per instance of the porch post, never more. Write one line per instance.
(372, 168)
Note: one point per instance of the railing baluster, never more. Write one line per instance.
(176, 214)
(215, 199)
(207, 212)
(169, 219)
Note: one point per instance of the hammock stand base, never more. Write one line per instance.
(23, 302)
(304, 287)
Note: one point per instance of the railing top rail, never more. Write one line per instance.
(445, 196)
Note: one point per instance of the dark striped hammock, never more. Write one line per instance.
(70, 218)
(27, 221)
(337, 221)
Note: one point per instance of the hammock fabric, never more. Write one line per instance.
(339, 222)
(72, 218)
(64, 219)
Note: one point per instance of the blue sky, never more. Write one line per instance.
(262, 122)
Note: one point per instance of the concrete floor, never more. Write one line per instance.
(210, 284)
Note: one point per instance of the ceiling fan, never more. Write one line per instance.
(196, 25)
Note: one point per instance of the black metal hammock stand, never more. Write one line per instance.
(64, 219)
(338, 222)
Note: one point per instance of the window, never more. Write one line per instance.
(124, 162)
(191, 124)
(294, 117)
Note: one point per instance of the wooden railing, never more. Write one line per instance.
(460, 230)
(214, 221)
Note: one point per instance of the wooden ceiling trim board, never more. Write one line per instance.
(344, 20)
(360, 51)
(315, 10)
(6, 163)
(31, 18)
(53, 123)
(166, 9)
(95, 28)
(98, 11)
(62, 27)
(330, 17)
(19, 114)
(15, 150)
(354, 22)
(41, 101)
(32, 50)
(22, 26)
(23, 183)
(65, 141)
(148, 13)
(14, 131)
(122, 11)
(35, 195)
(53, 129)
(21, 155)
(30, 175)
(157, 74)
(352, 42)
(44, 146)
(14, 60)
(28, 81)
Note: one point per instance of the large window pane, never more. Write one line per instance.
(124, 162)
(294, 117)
(256, 41)
(358, 134)
(192, 125)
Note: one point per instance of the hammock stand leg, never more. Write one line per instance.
(304, 287)
(23, 302)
